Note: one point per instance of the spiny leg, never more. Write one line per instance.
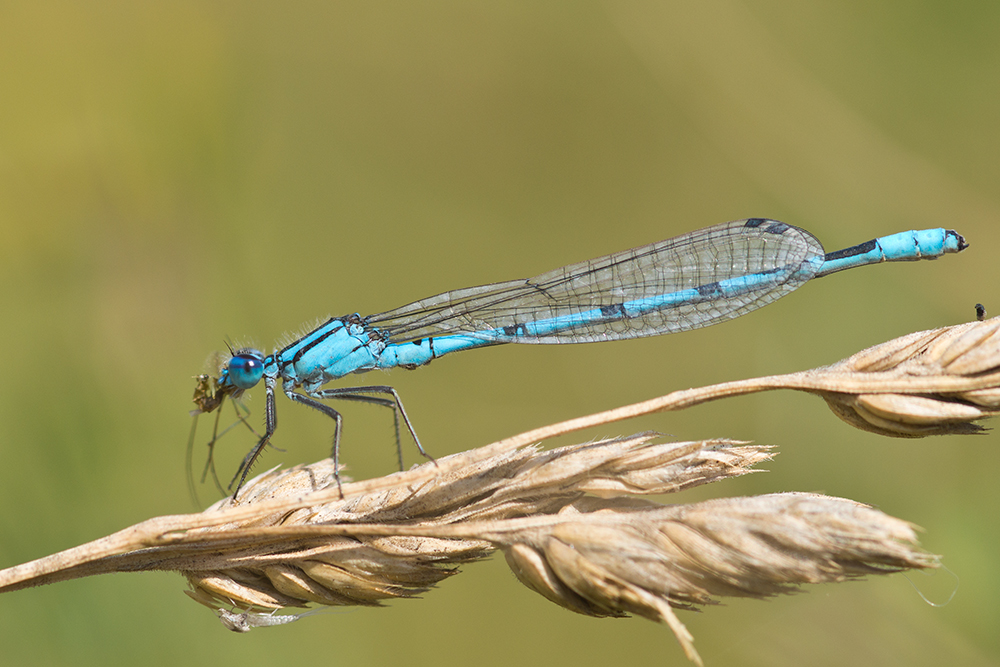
(358, 394)
(362, 394)
(270, 424)
(338, 423)
(386, 403)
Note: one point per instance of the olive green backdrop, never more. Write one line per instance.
(175, 175)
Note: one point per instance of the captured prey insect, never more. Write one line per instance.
(690, 281)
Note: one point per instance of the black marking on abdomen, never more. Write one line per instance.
(860, 249)
(614, 310)
(709, 289)
(515, 330)
(962, 245)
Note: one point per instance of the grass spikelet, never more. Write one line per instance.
(570, 521)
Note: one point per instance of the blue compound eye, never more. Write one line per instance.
(246, 370)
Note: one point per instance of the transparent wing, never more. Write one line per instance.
(622, 295)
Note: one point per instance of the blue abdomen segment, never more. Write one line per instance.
(411, 354)
(904, 246)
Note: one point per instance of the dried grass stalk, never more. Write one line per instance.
(568, 521)
(935, 382)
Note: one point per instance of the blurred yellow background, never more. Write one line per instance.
(175, 175)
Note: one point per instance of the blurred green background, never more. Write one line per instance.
(176, 174)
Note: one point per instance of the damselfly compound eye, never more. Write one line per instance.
(246, 370)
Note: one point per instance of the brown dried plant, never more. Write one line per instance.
(569, 521)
